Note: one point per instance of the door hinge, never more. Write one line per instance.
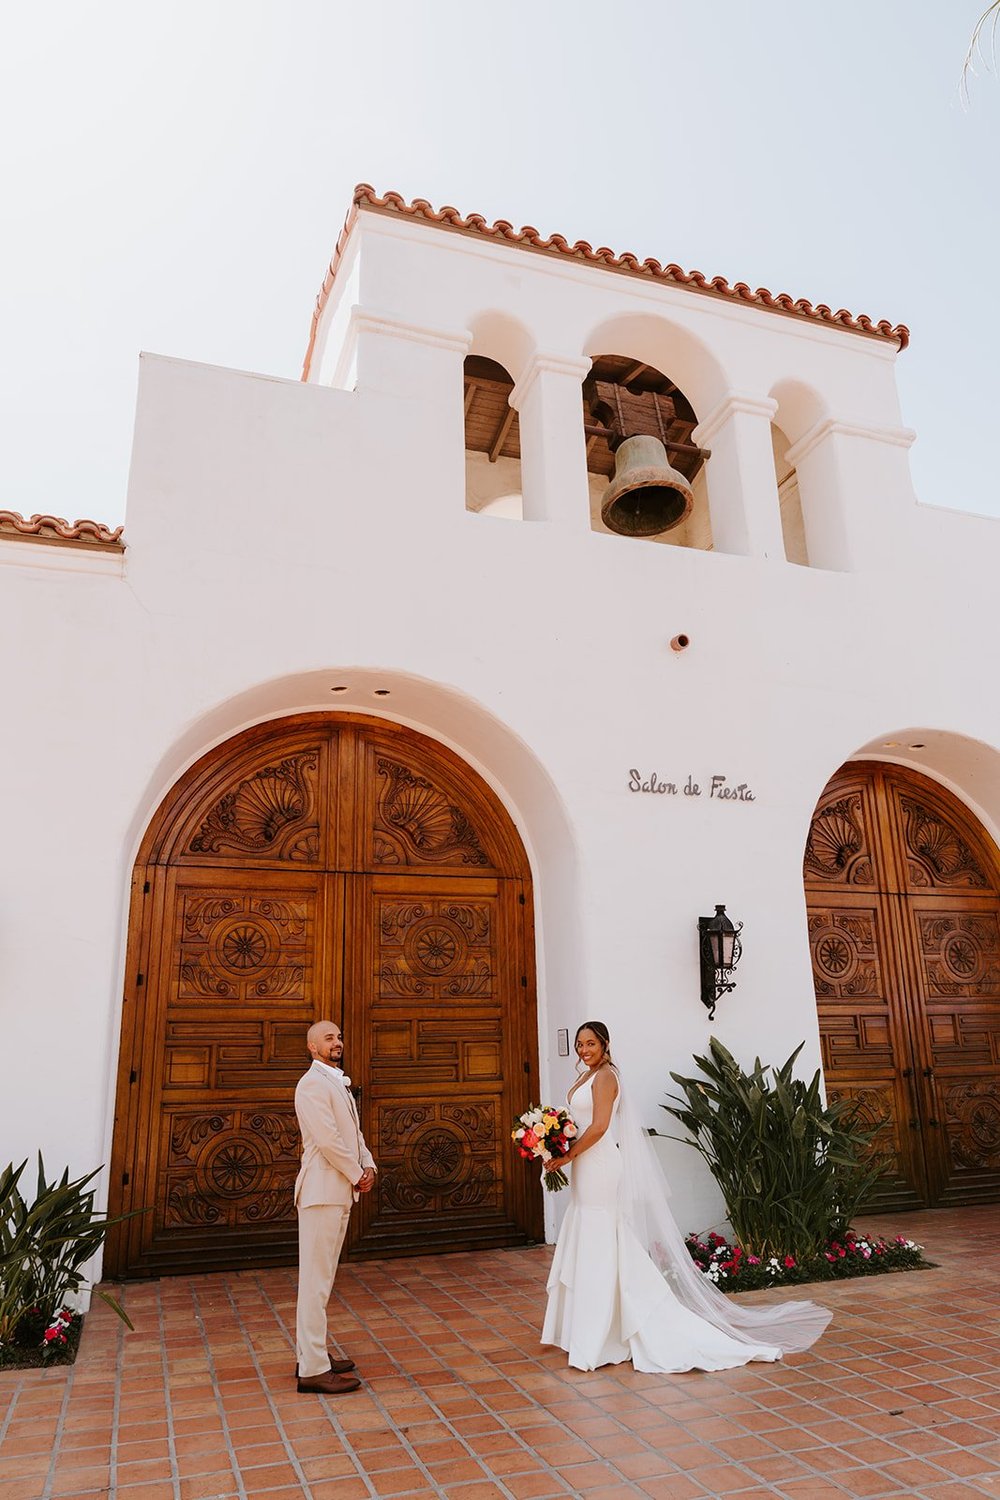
(520, 897)
(145, 888)
(524, 981)
(132, 1076)
(527, 1067)
(124, 1179)
(139, 979)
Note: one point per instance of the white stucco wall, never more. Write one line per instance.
(284, 538)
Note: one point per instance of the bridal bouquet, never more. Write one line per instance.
(542, 1133)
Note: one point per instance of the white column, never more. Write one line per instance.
(742, 486)
(856, 493)
(549, 402)
(410, 380)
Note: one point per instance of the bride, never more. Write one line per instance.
(622, 1284)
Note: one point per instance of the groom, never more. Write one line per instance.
(336, 1167)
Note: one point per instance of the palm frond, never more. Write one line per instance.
(985, 32)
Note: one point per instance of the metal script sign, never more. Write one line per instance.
(717, 788)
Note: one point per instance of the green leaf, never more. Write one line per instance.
(117, 1307)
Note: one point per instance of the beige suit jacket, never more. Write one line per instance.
(334, 1154)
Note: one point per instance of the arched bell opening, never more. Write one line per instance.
(902, 883)
(646, 474)
(500, 352)
(492, 441)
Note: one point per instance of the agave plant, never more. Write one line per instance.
(44, 1245)
(791, 1169)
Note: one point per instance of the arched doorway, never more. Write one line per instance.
(902, 888)
(324, 865)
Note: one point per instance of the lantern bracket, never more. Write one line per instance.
(720, 950)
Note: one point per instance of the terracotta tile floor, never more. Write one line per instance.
(901, 1397)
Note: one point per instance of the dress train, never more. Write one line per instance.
(609, 1301)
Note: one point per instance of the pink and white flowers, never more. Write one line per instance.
(732, 1269)
(54, 1338)
(542, 1133)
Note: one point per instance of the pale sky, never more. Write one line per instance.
(174, 178)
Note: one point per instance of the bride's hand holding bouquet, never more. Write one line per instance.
(545, 1134)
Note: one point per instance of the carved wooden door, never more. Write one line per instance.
(436, 1002)
(904, 926)
(439, 1009)
(242, 958)
(323, 866)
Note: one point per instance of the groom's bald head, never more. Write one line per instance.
(325, 1042)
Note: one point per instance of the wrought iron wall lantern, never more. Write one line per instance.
(720, 949)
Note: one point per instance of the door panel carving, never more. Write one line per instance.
(937, 855)
(244, 947)
(250, 908)
(878, 1110)
(414, 812)
(838, 850)
(959, 951)
(440, 1158)
(273, 812)
(907, 978)
(267, 798)
(437, 951)
(846, 953)
(231, 1167)
(972, 1118)
(415, 823)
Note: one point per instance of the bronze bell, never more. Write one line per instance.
(646, 496)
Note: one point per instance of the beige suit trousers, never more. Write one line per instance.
(321, 1237)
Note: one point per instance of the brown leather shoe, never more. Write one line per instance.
(338, 1366)
(328, 1384)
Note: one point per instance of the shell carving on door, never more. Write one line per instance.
(324, 866)
(903, 896)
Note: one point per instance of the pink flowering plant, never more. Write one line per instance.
(56, 1338)
(732, 1269)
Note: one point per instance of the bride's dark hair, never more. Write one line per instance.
(602, 1034)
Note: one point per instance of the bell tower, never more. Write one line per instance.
(552, 382)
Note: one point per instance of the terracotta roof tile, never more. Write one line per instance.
(557, 244)
(90, 535)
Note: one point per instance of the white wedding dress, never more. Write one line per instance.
(609, 1300)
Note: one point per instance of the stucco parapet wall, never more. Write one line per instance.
(896, 437)
(528, 238)
(53, 531)
(573, 366)
(729, 406)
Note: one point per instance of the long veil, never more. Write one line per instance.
(792, 1326)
